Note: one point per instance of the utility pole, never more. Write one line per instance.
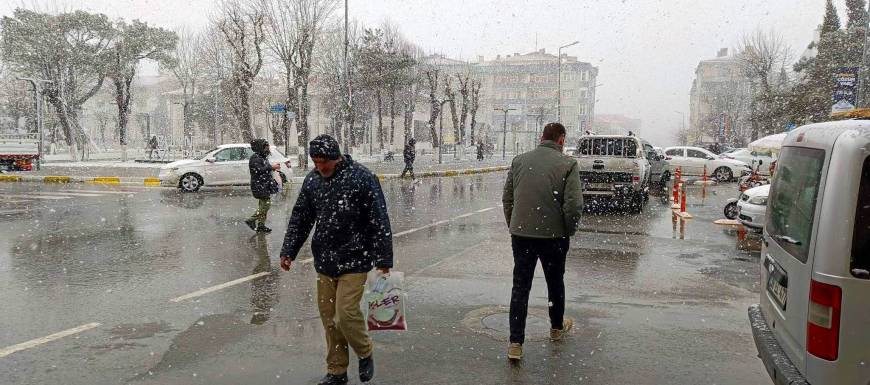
(37, 98)
(348, 109)
(559, 86)
(504, 129)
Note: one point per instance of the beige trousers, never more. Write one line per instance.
(338, 300)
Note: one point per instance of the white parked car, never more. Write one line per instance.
(752, 206)
(225, 165)
(811, 325)
(693, 159)
(752, 158)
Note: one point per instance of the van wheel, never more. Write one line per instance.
(190, 182)
(635, 205)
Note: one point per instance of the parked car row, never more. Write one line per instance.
(693, 160)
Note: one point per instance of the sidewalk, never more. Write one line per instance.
(424, 164)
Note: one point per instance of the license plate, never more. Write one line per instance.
(777, 282)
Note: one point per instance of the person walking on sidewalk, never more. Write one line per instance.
(344, 199)
(152, 146)
(410, 153)
(543, 202)
(263, 184)
(480, 151)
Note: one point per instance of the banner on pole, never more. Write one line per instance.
(845, 95)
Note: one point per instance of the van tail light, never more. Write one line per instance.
(635, 179)
(823, 320)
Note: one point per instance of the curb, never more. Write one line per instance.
(155, 182)
(108, 180)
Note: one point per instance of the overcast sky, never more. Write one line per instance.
(646, 50)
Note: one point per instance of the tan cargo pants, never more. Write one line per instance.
(338, 300)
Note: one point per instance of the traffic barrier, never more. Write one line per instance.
(704, 177)
(682, 198)
(151, 182)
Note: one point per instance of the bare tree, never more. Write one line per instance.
(762, 57)
(309, 19)
(464, 82)
(188, 70)
(432, 74)
(474, 106)
(242, 27)
(450, 97)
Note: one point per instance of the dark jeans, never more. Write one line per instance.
(527, 251)
(409, 166)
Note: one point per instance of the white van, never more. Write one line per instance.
(813, 322)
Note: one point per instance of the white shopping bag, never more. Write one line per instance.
(384, 301)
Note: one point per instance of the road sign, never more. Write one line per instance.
(278, 108)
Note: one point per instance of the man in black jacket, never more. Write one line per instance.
(409, 154)
(345, 201)
(263, 185)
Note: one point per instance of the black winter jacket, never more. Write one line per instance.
(353, 229)
(410, 153)
(262, 183)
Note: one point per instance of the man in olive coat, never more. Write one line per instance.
(543, 201)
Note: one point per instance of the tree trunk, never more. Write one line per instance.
(302, 122)
(380, 101)
(393, 116)
(245, 128)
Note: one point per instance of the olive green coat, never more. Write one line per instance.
(542, 194)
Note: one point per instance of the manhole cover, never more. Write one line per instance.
(501, 322)
(494, 322)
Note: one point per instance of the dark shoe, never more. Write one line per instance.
(333, 379)
(263, 229)
(367, 368)
(252, 223)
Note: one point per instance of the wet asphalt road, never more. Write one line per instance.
(656, 301)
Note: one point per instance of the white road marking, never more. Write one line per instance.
(39, 341)
(485, 210)
(33, 197)
(119, 192)
(218, 287)
(61, 194)
(10, 212)
(306, 261)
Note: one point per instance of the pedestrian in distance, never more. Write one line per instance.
(410, 153)
(543, 202)
(263, 184)
(152, 146)
(479, 151)
(344, 199)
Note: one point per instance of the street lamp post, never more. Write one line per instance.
(682, 122)
(504, 129)
(37, 98)
(559, 84)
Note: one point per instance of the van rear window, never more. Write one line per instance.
(861, 234)
(792, 201)
(608, 147)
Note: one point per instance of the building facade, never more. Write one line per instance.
(529, 84)
(719, 102)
